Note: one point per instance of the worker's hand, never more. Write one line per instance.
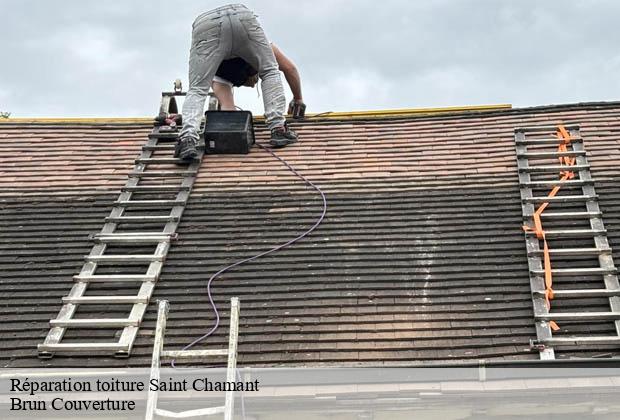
(297, 109)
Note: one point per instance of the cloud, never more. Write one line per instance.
(357, 89)
(96, 48)
(4, 94)
(77, 58)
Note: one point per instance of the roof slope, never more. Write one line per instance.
(421, 256)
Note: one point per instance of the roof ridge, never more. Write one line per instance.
(323, 115)
(344, 115)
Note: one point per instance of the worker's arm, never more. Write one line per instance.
(224, 94)
(290, 73)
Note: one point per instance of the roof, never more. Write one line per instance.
(421, 257)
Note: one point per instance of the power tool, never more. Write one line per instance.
(297, 109)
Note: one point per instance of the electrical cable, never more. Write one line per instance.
(262, 254)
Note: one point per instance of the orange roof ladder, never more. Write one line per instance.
(154, 197)
(574, 282)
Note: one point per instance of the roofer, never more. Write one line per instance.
(237, 72)
(227, 32)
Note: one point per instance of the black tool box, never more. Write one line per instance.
(228, 132)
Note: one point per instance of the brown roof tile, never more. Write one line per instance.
(421, 257)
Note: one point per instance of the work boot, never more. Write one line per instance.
(281, 136)
(185, 149)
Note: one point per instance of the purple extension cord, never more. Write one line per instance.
(262, 254)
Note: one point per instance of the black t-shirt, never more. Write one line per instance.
(235, 70)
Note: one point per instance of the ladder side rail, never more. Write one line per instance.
(601, 241)
(537, 282)
(158, 345)
(138, 311)
(183, 195)
(231, 369)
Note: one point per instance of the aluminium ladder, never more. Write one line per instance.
(158, 353)
(127, 211)
(588, 242)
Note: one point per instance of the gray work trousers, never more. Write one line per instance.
(223, 33)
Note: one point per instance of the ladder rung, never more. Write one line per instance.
(132, 239)
(578, 316)
(115, 277)
(127, 219)
(554, 168)
(199, 146)
(136, 239)
(150, 203)
(572, 233)
(552, 128)
(583, 293)
(577, 271)
(561, 199)
(82, 347)
(124, 258)
(165, 135)
(97, 323)
(155, 188)
(164, 174)
(550, 141)
(158, 147)
(105, 299)
(160, 160)
(125, 234)
(182, 354)
(200, 412)
(570, 215)
(574, 251)
(579, 341)
(534, 155)
(551, 184)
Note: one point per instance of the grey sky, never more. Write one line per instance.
(112, 58)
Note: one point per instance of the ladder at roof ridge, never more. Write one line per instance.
(544, 316)
(158, 353)
(128, 327)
